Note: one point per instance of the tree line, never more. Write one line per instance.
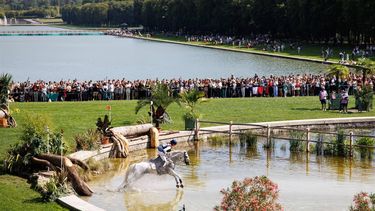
(311, 20)
(314, 20)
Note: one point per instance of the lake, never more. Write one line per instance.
(101, 57)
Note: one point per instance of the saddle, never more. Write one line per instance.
(160, 169)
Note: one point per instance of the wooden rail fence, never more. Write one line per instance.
(230, 131)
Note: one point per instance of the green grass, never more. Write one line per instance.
(78, 27)
(50, 20)
(15, 194)
(76, 117)
(308, 51)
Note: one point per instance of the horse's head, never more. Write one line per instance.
(186, 158)
(180, 156)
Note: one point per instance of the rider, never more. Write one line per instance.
(163, 149)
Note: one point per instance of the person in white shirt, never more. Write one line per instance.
(323, 98)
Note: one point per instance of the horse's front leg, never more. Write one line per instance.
(177, 178)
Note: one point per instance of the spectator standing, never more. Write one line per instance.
(323, 98)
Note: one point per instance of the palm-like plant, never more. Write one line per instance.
(161, 99)
(338, 70)
(366, 66)
(5, 82)
(190, 99)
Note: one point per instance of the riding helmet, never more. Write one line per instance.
(173, 142)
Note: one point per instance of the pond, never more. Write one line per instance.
(306, 181)
(100, 57)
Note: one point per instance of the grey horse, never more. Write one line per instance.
(155, 166)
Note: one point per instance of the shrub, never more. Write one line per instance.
(103, 125)
(54, 188)
(363, 202)
(364, 151)
(89, 140)
(36, 139)
(98, 166)
(338, 146)
(249, 138)
(258, 193)
(217, 140)
(364, 98)
(296, 145)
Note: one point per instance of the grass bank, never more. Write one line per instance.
(76, 117)
(50, 20)
(15, 194)
(78, 27)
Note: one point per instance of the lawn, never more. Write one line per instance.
(76, 117)
(50, 20)
(15, 194)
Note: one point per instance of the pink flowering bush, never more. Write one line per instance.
(258, 193)
(363, 202)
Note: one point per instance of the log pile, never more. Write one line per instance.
(61, 163)
(135, 130)
(120, 147)
(154, 137)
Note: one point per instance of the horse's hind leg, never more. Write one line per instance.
(177, 178)
(177, 185)
(181, 185)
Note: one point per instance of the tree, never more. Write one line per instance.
(121, 12)
(5, 83)
(191, 99)
(367, 67)
(160, 99)
(339, 71)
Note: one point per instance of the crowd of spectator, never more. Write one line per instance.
(231, 87)
(264, 42)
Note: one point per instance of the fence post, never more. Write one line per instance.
(196, 135)
(351, 144)
(307, 140)
(230, 131)
(268, 136)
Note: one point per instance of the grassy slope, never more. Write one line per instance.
(15, 194)
(75, 117)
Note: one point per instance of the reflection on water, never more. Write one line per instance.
(161, 200)
(306, 181)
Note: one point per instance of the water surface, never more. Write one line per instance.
(100, 57)
(306, 181)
